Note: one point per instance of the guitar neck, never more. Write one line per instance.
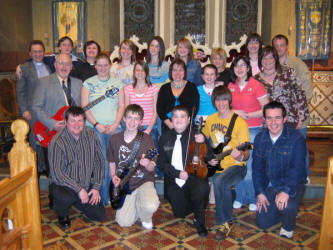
(223, 154)
(129, 175)
(93, 103)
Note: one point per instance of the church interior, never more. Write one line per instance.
(209, 24)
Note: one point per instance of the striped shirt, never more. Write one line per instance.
(146, 101)
(75, 163)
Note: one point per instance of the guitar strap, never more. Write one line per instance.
(227, 136)
(135, 150)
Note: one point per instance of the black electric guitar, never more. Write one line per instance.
(118, 194)
(219, 156)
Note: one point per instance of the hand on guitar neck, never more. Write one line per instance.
(60, 125)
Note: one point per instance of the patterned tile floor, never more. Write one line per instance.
(172, 233)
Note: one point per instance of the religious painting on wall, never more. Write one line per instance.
(190, 19)
(241, 18)
(69, 20)
(314, 29)
(139, 19)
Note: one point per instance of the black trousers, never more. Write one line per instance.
(192, 197)
(65, 197)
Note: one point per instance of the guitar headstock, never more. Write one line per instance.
(150, 154)
(111, 92)
(245, 146)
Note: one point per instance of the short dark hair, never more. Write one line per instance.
(280, 36)
(36, 42)
(275, 105)
(181, 108)
(210, 66)
(75, 111)
(161, 53)
(146, 69)
(90, 43)
(180, 62)
(234, 63)
(65, 38)
(134, 108)
(102, 56)
(253, 37)
(221, 93)
(269, 50)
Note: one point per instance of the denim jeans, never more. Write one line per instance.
(222, 189)
(245, 189)
(273, 216)
(307, 157)
(105, 190)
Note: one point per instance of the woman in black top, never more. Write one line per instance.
(177, 92)
(218, 57)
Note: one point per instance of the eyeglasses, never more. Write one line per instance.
(242, 65)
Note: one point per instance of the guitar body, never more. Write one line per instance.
(42, 133)
(118, 194)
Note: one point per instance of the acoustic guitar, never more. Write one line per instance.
(44, 135)
(118, 193)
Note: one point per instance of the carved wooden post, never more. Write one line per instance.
(22, 157)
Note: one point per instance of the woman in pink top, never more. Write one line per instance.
(143, 93)
(253, 51)
(248, 98)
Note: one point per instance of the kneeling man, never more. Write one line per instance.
(76, 169)
(279, 173)
(127, 150)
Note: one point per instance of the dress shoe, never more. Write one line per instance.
(64, 222)
(201, 229)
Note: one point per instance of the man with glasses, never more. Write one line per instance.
(278, 171)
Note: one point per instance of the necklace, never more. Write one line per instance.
(269, 75)
(173, 84)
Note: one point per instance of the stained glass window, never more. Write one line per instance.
(139, 19)
(241, 19)
(190, 19)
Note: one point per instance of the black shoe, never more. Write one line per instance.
(201, 229)
(64, 222)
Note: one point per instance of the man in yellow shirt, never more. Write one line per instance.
(234, 165)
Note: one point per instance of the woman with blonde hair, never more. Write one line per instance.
(124, 69)
(184, 51)
(218, 57)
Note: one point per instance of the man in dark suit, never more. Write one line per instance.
(55, 91)
(31, 70)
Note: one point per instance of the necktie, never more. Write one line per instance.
(177, 159)
(68, 94)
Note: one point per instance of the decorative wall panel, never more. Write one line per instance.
(321, 106)
(139, 19)
(241, 18)
(190, 19)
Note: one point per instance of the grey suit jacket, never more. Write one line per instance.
(49, 98)
(26, 85)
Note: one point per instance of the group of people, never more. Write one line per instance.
(106, 140)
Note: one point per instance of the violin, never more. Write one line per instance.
(198, 151)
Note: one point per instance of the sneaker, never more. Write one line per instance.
(223, 231)
(212, 199)
(286, 234)
(147, 225)
(237, 205)
(252, 207)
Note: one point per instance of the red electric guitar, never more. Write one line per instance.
(44, 135)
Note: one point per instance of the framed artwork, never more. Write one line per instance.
(314, 29)
(69, 19)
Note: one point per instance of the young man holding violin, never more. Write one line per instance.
(234, 165)
(186, 192)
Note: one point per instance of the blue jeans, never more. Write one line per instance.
(245, 189)
(222, 189)
(307, 156)
(273, 216)
(105, 190)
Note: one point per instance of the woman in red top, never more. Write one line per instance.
(248, 98)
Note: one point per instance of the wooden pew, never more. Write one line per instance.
(326, 230)
(19, 195)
